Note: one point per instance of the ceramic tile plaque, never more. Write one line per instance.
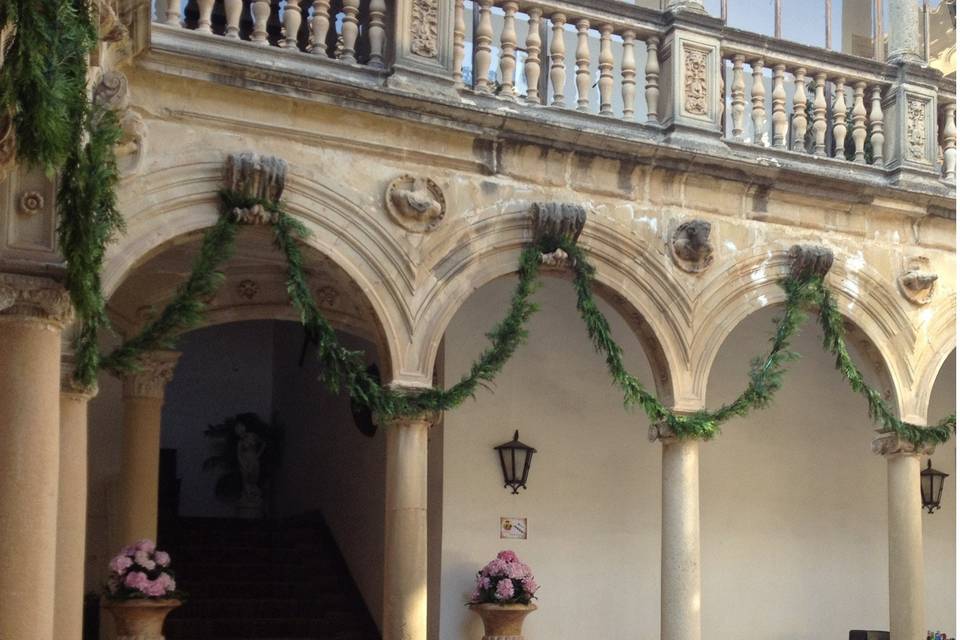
(513, 528)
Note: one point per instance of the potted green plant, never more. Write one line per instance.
(247, 451)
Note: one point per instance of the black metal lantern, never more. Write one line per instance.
(931, 487)
(515, 462)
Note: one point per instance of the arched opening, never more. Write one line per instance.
(315, 532)
(793, 500)
(592, 500)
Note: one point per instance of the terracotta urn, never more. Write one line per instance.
(140, 619)
(503, 621)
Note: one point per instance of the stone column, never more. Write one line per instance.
(140, 466)
(33, 312)
(905, 534)
(72, 506)
(405, 558)
(680, 537)
(904, 27)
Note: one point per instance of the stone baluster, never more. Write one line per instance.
(605, 63)
(628, 71)
(508, 49)
(376, 32)
(819, 115)
(779, 108)
(652, 75)
(459, 33)
(292, 19)
(319, 26)
(558, 52)
(233, 9)
(859, 133)
(531, 67)
(205, 8)
(799, 109)
(876, 126)
(738, 99)
(484, 39)
(950, 141)
(349, 30)
(583, 65)
(758, 94)
(839, 115)
(173, 13)
(261, 13)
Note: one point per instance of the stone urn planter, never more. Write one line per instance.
(140, 619)
(503, 621)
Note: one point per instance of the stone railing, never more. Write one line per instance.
(339, 29)
(947, 107)
(788, 100)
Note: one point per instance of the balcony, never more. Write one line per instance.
(602, 76)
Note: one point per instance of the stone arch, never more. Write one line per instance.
(877, 325)
(937, 339)
(629, 276)
(176, 203)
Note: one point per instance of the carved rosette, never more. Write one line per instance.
(248, 289)
(327, 296)
(888, 443)
(416, 204)
(695, 81)
(255, 176)
(34, 299)
(423, 28)
(917, 130)
(155, 371)
(690, 246)
(917, 283)
(810, 260)
(31, 203)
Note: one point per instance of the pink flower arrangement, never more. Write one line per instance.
(141, 571)
(505, 580)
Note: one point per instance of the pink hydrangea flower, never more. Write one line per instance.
(530, 586)
(162, 558)
(484, 582)
(504, 589)
(515, 571)
(145, 545)
(120, 564)
(508, 556)
(475, 596)
(136, 580)
(142, 558)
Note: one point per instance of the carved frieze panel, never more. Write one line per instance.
(917, 283)
(416, 204)
(694, 80)
(690, 246)
(28, 198)
(917, 129)
(423, 28)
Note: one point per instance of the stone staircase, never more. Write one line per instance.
(264, 580)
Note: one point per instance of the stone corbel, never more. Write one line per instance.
(810, 260)
(888, 443)
(255, 176)
(112, 92)
(690, 246)
(917, 283)
(554, 220)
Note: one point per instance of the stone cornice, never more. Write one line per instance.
(32, 298)
(155, 371)
(494, 120)
(888, 443)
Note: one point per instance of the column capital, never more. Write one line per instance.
(156, 370)
(660, 431)
(34, 299)
(431, 418)
(68, 384)
(888, 443)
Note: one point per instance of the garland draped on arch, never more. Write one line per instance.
(57, 127)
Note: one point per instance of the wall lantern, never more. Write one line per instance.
(931, 487)
(515, 462)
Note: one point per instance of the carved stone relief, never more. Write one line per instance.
(888, 443)
(916, 129)
(248, 289)
(917, 283)
(423, 28)
(112, 92)
(810, 259)
(558, 219)
(555, 260)
(31, 203)
(416, 204)
(690, 246)
(255, 176)
(327, 296)
(694, 81)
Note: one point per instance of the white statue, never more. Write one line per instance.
(250, 447)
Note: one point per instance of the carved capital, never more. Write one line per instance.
(690, 246)
(416, 204)
(557, 219)
(660, 431)
(156, 370)
(68, 384)
(255, 176)
(35, 299)
(888, 443)
(430, 418)
(917, 283)
(810, 260)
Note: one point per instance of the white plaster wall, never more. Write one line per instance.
(793, 501)
(593, 497)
